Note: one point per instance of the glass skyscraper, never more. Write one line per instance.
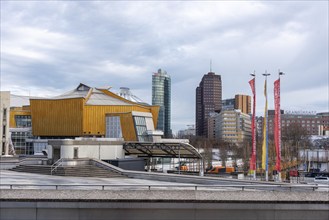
(161, 96)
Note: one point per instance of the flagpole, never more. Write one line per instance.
(279, 131)
(265, 131)
(253, 158)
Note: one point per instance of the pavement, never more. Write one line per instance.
(38, 181)
(12, 177)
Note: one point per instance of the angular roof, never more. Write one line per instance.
(95, 96)
(80, 92)
(98, 97)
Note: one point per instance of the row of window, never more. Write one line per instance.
(23, 121)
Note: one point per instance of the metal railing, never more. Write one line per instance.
(55, 165)
(157, 187)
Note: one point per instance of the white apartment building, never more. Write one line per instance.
(233, 126)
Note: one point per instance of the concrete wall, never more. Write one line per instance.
(160, 210)
(102, 152)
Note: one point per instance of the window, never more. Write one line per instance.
(113, 127)
(21, 145)
(4, 114)
(23, 121)
(75, 153)
(140, 125)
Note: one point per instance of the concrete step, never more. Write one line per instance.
(82, 171)
(39, 169)
(87, 171)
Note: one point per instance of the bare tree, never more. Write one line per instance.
(294, 138)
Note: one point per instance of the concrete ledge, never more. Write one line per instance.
(167, 204)
(201, 196)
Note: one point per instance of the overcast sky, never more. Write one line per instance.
(48, 48)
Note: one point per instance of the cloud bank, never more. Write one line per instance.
(49, 47)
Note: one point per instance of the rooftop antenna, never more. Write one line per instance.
(210, 65)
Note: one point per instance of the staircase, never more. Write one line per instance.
(85, 170)
(38, 169)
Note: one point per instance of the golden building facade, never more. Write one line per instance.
(83, 112)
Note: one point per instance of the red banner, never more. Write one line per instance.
(277, 124)
(253, 127)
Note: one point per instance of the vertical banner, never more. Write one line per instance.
(253, 127)
(277, 124)
(265, 135)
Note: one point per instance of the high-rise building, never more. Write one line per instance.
(208, 100)
(241, 102)
(161, 96)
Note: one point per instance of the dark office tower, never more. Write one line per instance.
(208, 100)
(161, 93)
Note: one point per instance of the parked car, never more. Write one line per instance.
(321, 179)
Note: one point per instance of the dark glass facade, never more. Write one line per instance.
(208, 100)
(161, 96)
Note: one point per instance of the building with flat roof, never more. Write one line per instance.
(233, 126)
(242, 102)
(312, 123)
(208, 100)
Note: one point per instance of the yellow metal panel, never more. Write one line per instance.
(94, 116)
(127, 125)
(155, 113)
(17, 111)
(57, 117)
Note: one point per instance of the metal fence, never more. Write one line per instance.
(159, 187)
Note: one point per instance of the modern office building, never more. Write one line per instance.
(161, 96)
(208, 100)
(212, 125)
(242, 102)
(233, 126)
(228, 104)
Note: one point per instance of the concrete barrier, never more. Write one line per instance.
(165, 204)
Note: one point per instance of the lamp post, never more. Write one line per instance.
(265, 131)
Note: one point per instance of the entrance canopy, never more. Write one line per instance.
(170, 150)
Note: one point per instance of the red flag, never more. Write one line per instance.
(253, 127)
(277, 124)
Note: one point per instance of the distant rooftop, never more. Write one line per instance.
(19, 100)
(126, 93)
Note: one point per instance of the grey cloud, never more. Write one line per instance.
(122, 43)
